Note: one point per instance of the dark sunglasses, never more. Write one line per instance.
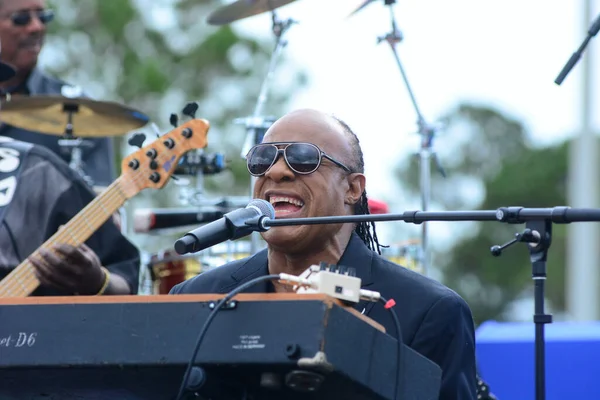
(23, 18)
(302, 158)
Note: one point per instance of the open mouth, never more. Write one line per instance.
(286, 205)
(31, 44)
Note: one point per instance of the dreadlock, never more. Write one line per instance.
(363, 229)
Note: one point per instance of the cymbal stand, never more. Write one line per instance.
(73, 144)
(426, 131)
(254, 123)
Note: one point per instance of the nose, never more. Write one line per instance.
(280, 170)
(35, 24)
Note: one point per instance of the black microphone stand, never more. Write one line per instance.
(538, 235)
(577, 55)
(426, 131)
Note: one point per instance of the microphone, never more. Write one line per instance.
(577, 55)
(146, 220)
(233, 225)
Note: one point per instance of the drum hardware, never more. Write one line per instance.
(74, 146)
(197, 162)
(243, 9)
(279, 29)
(256, 125)
(360, 7)
(425, 130)
(194, 163)
(256, 128)
(167, 268)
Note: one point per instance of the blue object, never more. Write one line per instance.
(506, 359)
(219, 161)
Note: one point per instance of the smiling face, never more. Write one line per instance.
(330, 190)
(21, 44)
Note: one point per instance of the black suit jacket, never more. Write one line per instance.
(435, 321)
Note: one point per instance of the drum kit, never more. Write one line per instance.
(76, 120)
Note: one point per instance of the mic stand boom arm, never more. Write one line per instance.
(509, 215)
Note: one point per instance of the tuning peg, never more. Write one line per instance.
(174, 120)
(190, 109)
(137, 140)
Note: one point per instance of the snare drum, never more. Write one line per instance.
(169, 269)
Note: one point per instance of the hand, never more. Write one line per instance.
(72, 269)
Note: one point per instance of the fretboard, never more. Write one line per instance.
(22, 281)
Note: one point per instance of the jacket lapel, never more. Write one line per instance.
(254, 267)
(360, 257)
(356, 255)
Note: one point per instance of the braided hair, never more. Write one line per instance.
(363, 229)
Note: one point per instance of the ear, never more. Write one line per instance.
(356, 187)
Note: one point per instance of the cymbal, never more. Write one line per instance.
(244, 8)
(363, 5)
(90, 118)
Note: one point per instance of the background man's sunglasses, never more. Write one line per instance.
(302, 158)
(23, 18)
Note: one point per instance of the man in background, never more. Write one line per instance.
(22, 32)
(38, 194)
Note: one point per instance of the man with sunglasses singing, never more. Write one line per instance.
(311, 165)
(22, 32)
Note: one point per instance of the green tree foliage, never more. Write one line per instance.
(158, 55)
(486, 151)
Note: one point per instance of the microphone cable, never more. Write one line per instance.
(211, 316)
(389, 305)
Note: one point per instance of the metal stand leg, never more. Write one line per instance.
(256, 122)
(426, 131)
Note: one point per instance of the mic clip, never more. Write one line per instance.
(529, 236)
(258, 224)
